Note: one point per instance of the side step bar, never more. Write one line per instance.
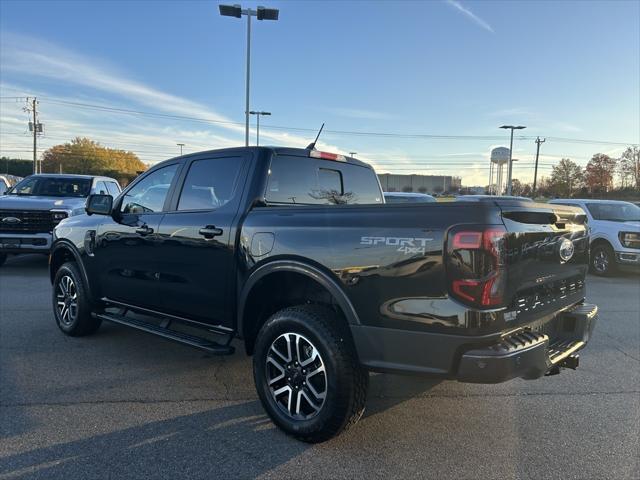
(164, 332)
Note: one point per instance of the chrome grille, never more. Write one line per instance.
(30, 221)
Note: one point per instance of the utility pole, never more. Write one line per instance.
(535, 172)
(34, 127)
(180, 145)
(353, 154)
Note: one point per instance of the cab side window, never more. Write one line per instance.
(113, 189)
(101, 188)
(149, 194)
(210, 183)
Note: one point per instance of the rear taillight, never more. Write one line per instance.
(476, 265)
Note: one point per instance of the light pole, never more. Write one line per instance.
(180, 145)
(509, 170)
(261, 13)
(353, 154)
(258, 114)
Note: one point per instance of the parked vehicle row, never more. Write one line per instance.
(614, 229)
(295, 252)
(30, 209)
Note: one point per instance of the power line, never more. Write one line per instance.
(335, 132)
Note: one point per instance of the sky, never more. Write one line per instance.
(412, 87)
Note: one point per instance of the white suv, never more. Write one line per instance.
(614, 227)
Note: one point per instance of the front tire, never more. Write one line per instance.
(71, 305)
(307, 373)
(603, 260)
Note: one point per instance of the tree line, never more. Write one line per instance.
(603, 176)
(87, 157)
(80, 156)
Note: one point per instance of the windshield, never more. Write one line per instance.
(615, 212)
(53, 187)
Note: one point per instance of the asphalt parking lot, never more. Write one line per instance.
(122, 404)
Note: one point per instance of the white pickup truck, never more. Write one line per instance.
(614, 229)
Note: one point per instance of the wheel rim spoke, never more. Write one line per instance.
(272, 361)
(312, 404)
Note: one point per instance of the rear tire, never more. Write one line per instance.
(306, 353)
(3, 258)
(603, 260)
(71, 304)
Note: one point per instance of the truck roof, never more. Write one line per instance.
(67, 175)
(300, 152)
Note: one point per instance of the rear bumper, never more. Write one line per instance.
(529, 353)
(25, 242)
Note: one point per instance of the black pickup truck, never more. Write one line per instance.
(295, 252)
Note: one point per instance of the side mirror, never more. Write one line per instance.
(99, 204)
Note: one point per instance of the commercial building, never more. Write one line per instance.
(392, 182)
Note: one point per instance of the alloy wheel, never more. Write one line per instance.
(67, 300)
(296, 376)
(601, 261)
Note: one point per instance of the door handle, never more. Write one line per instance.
(144, 230)
(210, 231)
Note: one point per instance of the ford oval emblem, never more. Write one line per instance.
(11, 220)
(566, 250)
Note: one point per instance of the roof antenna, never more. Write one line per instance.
(312, 146)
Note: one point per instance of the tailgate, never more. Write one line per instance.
(546, 259)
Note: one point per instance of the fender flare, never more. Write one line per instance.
(70, 247)
(601, 238)
(302, 268)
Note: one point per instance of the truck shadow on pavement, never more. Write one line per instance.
(387, 391)
(200, 444)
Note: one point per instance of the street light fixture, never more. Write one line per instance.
(258, 114)
(510, 169)
(180, 145)
(261, 13)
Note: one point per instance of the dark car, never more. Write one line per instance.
(492, 198)
(408, 197)
(295, 253)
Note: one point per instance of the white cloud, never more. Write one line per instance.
(469, 14)
(35, 58)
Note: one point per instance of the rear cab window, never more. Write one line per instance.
(309, 181)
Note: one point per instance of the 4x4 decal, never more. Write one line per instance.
(405, 245)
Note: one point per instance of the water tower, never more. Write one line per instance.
(499, 158)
